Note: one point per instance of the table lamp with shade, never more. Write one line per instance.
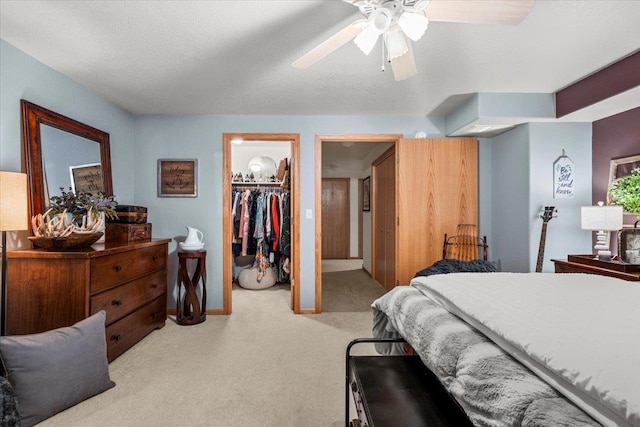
(13, 217)
(603, 220)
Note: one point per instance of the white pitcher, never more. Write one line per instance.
(194, 237)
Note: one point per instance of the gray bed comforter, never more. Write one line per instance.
(492, 387)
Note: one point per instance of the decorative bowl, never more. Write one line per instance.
(72, 241)
(193, 247)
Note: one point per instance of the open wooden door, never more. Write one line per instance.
(335, 218)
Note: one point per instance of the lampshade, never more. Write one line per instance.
(13, 201)
(605, 218)
(414, 25)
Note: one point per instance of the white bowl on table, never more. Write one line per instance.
(191, 247)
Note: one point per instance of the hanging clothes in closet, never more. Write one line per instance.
(262, 227)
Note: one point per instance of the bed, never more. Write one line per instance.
(530, 349)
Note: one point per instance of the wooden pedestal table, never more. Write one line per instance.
(189, 310)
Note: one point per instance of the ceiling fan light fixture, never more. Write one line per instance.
(396, 43)
(367, 39)
(379, 21)
(414, 25)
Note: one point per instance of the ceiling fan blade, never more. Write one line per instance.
(337, 40)
(404, 66)
(478, 12)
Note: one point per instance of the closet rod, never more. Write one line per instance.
(256, 187)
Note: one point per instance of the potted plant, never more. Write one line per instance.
(625, 192)
(81, 203)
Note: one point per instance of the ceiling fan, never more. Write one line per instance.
(399, 22)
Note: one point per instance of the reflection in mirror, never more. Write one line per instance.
(69, 161)
(62, 152)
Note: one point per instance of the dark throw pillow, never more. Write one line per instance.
(57, 369)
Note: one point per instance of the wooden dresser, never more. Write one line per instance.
(590, 265)
(48, 290)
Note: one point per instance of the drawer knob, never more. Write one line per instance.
(116, 302)
(154, 315)
(155, 257)
(154, 286)
(117, 268)
(116, 338)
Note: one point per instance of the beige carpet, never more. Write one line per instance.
(260, 366)
(349, 291)
(331, 265)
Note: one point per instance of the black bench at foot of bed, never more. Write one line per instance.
(397, 391)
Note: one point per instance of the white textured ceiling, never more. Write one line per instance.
(233, 57)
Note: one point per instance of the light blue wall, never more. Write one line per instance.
(509, 244)
(522, 184)
(22, 77)
(564, 235)
(201, 137)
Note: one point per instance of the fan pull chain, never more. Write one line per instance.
(382, 43)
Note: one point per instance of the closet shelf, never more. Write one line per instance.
(256, 183)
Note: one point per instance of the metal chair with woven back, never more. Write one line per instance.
(465, 245)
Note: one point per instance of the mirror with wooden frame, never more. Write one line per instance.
(60, 152)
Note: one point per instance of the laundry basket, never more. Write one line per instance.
(248, 279)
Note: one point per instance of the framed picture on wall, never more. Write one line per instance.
(366, 194)
(177, 177)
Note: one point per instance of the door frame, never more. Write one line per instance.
(320, 138)
(227, 253)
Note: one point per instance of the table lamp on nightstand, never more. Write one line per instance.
(13, 217)
(602, 219)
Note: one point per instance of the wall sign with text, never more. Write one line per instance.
(563, 178)
(177, 177)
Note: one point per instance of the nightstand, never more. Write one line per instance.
(590, 265)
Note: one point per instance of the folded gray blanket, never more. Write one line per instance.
(445, 266)
(492, 387)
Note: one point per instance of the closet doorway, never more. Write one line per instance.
(253, 179)
(348, 142)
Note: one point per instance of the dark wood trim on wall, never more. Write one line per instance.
(610, 81)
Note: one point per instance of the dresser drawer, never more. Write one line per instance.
(127, 331)
(120, 301)
(112, 270)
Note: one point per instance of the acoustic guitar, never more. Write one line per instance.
(546, 215)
